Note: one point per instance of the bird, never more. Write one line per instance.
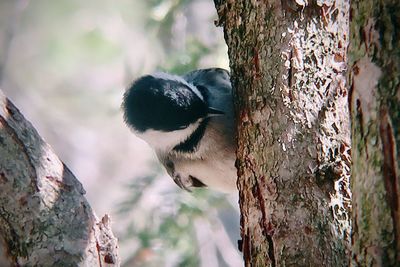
(188, 121)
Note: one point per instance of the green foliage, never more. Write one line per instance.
(168, 230)
(181, 62)
(182, 59)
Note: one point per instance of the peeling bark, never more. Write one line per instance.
(288, 64)
(375, 112)
(45, 219)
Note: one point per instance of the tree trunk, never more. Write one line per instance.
(375, 116)
(288, 63)
(44, 218)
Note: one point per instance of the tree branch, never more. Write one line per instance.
(45, 219)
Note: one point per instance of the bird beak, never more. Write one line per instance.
(177, 180)
(212, 112)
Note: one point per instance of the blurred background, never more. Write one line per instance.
(65, 64)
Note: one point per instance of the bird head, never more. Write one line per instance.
(164, 109)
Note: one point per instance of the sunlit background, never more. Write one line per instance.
(66, 64)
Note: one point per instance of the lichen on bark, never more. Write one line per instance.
(375, 110)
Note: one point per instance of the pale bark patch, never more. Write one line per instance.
(365, 81)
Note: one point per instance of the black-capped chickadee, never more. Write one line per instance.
(188, 121)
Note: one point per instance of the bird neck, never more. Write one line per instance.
(191, 143)
(166, 141)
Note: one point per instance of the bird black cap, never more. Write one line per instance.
(161, 104)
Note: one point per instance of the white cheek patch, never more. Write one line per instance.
(165, 141)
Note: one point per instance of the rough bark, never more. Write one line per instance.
(287, 62)
(45, 219)
(375, 116)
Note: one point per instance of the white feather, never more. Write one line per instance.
(165, 141)
(167, 76)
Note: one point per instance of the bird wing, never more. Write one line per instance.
(212, 79)
(215, 85)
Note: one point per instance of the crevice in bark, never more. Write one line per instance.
(291, 72)
(246, 245)
(271, 252)
(268, 227)
(360, 118)
(99, 253)
(390, 173)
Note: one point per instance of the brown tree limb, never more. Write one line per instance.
(45, 219)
